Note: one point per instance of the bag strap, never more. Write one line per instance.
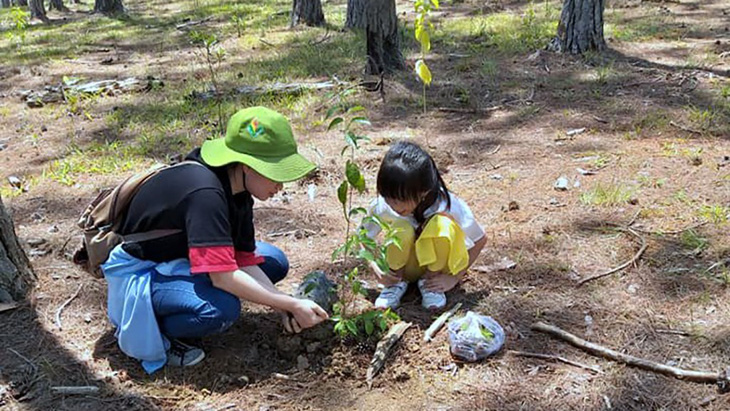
(154, 234)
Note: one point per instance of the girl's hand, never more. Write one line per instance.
(307, 314)
(387, 279)
(439, 282)
(290, 324)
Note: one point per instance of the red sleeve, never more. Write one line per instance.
(213, 259)
(247, 258)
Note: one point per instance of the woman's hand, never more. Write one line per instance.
(440, 282)
(306, 314)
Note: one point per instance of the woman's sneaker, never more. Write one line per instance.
(390, 296)
(431, 300)
(183, 355)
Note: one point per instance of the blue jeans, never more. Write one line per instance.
(192, 307)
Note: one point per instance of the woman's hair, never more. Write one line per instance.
(406, 173)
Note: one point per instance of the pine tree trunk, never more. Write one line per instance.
(355, 14)
(58, 5)
(37, 10)
(383, 44)
(308, 12)
(108, 7)
(5, 3)
(23, 3)
(16, 273)
(580, 28)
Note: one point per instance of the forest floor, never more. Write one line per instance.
(653, 114)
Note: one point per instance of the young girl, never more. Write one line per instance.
(439, 236)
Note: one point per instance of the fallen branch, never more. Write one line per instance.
(58, 312)
(686, 375)
(436, 326)
(192, 23)
(556, 358)
(24, 358)
(494, 151)
(79, 390)
(56, 94)
(468, 110)
(624, 265)
(675, 232)
(385, 346)
(683, 128)
(673, 332)
(8, 306)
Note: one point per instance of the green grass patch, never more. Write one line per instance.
(508, 32)
(96, 160)
(716, 214)
(611, 194)
(692, 240)
(642, 28)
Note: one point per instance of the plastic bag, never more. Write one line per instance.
(474, 337)
(318, 288)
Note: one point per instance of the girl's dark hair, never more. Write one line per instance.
(408, 171)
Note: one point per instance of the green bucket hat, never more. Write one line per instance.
(262, 139)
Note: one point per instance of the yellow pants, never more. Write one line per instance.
(439, 248)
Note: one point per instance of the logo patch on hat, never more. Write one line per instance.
(254, 129)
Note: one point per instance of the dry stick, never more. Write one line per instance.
(436, 326)
(624, 265)
(595, 349)
(24, 358)
(673, 332)
(691, 227)
(493, 151)
(556, 358)
(385, 346)
(80, 390)
(683, 128)
(58, 312)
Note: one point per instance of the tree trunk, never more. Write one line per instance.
(58, 5)
(383, 44)
(16, 273)
(108, 7)
(23, 3)
(5, 3)
(355, 14)
(308, 12)
(580, 28)
(38, 10)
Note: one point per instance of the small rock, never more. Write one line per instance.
(36, 216)
(302, 363)
(35, 242)
(87, 318)
(561, 184)
(3, 147)
(633, 201)
(554, 201)
(585, 172)
(513, 206)
(632, 288)
(242, 379)
(36, 252)
(15, 181)
(575, 131)
(53, 229)
(289, 346)
(44, 128)
(576, 183)
(311, 192)
(313, 346)
(497, 177)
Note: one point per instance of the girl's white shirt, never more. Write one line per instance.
(459, 211)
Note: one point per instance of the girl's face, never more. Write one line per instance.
(260, 186)
(403, 207)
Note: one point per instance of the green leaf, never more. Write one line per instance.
(383, 323)
(366, 255)
(309, 288)
(355, 109)
(488, 335)
(358, 210)
(335, 121)
(356, 286)
(351, 327)
(383, 265)
(342, 193)
(435, 3)
(361, 120)
(369, 242)
(354, 177)
(332, 111)
(423, 72)
(369, 327)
